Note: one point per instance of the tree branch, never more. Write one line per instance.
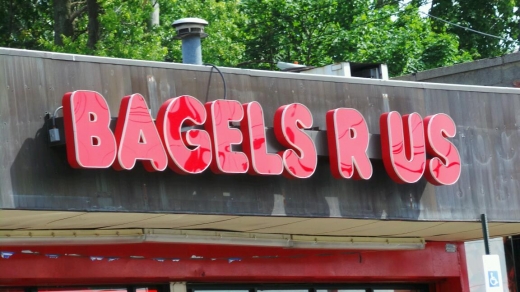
(78, 12)
(78, 33)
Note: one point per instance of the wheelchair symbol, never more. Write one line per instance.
(493, 279)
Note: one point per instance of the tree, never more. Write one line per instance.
(124, 29)
(257, 33)
(93, 24)
(62, 21)
(403, 39)
(112, 28)
(65, 16)
(224, 46)
(22, 23)
(303, 31)
(495, 17)
(319, 32)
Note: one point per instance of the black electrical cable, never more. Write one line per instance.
(209, 81)
(54, 116)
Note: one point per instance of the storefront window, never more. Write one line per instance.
(96, 289)
(223, 290)
(85, 289)
(400, 290)
(306, 290)
(343, 290)
(369, 289)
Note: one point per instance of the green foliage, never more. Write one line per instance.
(495, 17)
(304, 31)
(318, 32)
(257, 33)
(22, 23)
(224, 46)
(402, 39)
(124, 33)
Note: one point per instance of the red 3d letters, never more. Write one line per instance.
(255, 143)
(402, 146)
(137, 137)
(348, 137)
(300, 159)
(444, 167)
(189, 152)
(229, 137)
(221, 113)
(89, 141)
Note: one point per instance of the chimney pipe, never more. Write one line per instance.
(191, 31)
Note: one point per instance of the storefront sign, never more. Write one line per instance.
(405, 141)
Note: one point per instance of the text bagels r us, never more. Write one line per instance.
(405, 140)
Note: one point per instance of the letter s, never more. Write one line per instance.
(300, 160)
(445, 166)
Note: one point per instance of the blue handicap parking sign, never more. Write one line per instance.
(493, 279)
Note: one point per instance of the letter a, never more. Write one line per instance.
(137, 138)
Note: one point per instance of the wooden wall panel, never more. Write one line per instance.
(36, 176)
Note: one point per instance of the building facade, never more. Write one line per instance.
(81, 211)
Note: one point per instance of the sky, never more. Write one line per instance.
(426, 8)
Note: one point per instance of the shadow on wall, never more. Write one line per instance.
(42, 179)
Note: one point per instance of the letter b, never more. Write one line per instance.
(90, 142)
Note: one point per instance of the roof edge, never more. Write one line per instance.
(254, 73)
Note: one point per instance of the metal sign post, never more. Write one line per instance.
(492, 270)
(485, 231)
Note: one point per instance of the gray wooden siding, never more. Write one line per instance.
(35, 176)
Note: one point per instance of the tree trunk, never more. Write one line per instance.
(154, 16)
(62, 21)
(93, 23)
(434, 3)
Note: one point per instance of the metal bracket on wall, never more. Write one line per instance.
(54, 130)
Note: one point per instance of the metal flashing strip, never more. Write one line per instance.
(257, 73)
(283, 240)
(53, 237)
(72, 237)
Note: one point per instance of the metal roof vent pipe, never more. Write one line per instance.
(191, 31)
